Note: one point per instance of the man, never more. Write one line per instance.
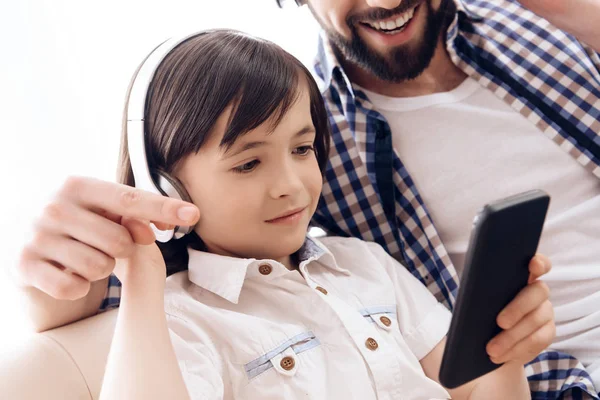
(515, 106)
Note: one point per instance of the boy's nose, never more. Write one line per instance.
(387, 4)
(286, 182)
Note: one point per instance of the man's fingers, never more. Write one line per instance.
(528, 348)
(539, 265)
(507, 339)
(80, 234)
(54, 281)
(87, 227)
(140, 231)
(528, 299)
(108, 215)
(126, 201)
(73, 255)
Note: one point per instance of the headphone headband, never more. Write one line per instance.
(136, 134)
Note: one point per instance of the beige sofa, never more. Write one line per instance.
(62, 364)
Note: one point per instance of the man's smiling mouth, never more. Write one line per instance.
(393, 25)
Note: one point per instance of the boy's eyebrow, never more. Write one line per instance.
(246, 146)
(255, 144)
(305, 130)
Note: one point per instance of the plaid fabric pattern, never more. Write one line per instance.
(112, 298)
(540, 71)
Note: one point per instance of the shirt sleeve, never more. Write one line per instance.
(112, 298)
(594, 56)
(423, 321)
(198, 361)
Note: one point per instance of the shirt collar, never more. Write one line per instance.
(463, 7)
(328, 66)
(225, 276)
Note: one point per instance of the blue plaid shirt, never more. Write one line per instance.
(540, 71)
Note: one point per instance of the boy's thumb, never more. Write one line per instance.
(144, 266)
(139, 230)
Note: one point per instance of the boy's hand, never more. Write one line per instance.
(527, 321)
(143, 271)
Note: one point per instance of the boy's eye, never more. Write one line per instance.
(249, 166)
(303, 150)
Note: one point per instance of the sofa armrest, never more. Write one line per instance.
(62, 364)
(40, 368)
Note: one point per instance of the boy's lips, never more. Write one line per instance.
(288, 216)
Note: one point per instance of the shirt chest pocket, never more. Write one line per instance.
(383, 316)
(288, 369)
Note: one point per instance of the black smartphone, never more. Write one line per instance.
(504, 238)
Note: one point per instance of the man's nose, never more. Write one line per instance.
(387, 4)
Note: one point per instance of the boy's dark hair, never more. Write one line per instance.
(192, 87)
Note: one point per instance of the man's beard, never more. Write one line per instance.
(402, 63)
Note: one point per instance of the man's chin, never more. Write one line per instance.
(394, 57)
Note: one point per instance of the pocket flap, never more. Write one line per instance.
(283, 357)
(383, 316)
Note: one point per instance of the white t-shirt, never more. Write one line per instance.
(350, 324)
(465, 148)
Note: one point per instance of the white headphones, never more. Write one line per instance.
(136, 137)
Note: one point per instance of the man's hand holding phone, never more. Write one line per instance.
(527, 321)
(502, 313)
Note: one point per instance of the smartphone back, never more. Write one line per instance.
(504, 239)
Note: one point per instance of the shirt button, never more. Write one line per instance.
(287, 363)
(386, 321)
(320, 289)
(372, 344)
(265, 269)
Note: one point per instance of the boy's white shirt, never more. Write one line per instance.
(231, 326)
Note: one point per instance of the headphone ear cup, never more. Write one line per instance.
(173, 188)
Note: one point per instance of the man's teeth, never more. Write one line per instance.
(392, 24)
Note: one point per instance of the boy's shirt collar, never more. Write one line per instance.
(225, 276)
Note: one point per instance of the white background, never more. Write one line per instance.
(64, 69)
